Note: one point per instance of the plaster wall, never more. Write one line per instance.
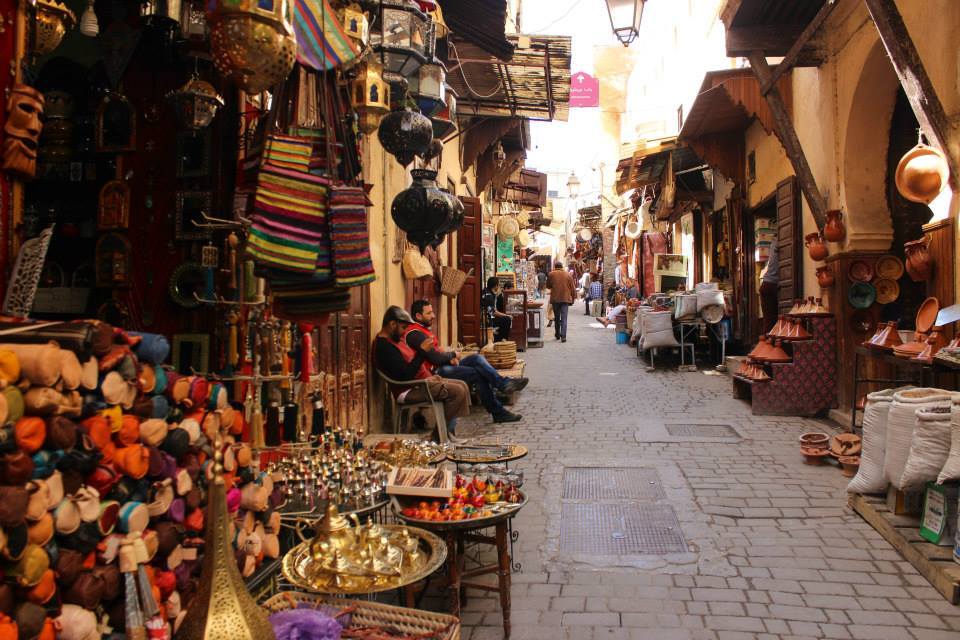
(771, 162)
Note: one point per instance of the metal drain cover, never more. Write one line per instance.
(702, 430)
(611, 483)
(620, 529)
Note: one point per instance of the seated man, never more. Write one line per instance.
(399, 362)
(473, 369)
(493, 308)
(594, 292)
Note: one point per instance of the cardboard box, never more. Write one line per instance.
(443, 491)
(938, 524)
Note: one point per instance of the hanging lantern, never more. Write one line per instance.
(161, 14)
(405, 134)
(454, 222)
(370, 96)
(423, 210)
(195, 103)
(445, 122)
(252, 41)
(625, 18)
(429, 87)
(405, 39)
(89, 26)
(355, 24)
(52, 21)
(193, 22)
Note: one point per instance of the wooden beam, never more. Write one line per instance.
(788, 138)
(790, 60)
(695, 196)
(916, 83)
(774, 40)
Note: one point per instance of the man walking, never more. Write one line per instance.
(562, 292)
(396, 360)
(473, 369)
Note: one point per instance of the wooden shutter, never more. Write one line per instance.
(789, 241)
(469, 244)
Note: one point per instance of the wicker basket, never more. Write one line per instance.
(367, 614)
(452, 280)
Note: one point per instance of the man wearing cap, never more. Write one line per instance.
(473, 369)
(562, 292)
(398, 361)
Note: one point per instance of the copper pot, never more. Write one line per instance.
(825, 277)
(833, 230)
(918, 261)
(818, 250)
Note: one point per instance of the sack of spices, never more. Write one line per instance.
(869, 478)
(900, 425)
(929, 448)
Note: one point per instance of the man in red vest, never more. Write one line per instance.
(400, 362)
(473, 369)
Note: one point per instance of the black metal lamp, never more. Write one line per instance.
(405, 39)
(625, 18)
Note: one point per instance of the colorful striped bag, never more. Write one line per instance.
(290, 231)
(348, 234)
(322, 43)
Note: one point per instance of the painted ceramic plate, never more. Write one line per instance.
(860, 271)
(927, 314)
(890, 267)
(861, 295)
(887, 290)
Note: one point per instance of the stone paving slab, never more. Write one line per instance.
(775, 552)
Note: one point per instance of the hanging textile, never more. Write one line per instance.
(322, 43)
(348, 233)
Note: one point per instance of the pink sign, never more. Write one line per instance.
(584, 90)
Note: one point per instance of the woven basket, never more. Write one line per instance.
(452, 280)
(372, 614)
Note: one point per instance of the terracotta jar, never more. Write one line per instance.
(917, 259)
(818, 250)
(833, 230)
(825, 277)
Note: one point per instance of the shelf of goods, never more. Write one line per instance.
(807, 385)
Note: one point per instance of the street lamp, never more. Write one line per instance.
(573, 185)
(625, 18)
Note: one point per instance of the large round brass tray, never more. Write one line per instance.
(297, 569)
(504, 511)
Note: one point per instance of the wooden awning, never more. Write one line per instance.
(534, 84)
(645, 167)
(771, 26)
(481, 22)
(728, 101)
(525, 187)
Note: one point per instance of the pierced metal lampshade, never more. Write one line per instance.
(252, 41)
(196, 103)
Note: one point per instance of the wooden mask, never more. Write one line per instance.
(23, 126)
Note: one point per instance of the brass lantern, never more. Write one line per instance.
(370, 95)
(355, 24)
(252, 41)
(53, 20)
(196, 103)
(405, 39)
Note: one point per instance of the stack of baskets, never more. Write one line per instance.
(502, 355)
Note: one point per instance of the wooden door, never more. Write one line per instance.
(352, 353)
(741, 284)
(789, 243)
(469, 244)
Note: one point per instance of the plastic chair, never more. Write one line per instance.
(402, 409)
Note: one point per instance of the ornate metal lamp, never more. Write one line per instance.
(52, 21)
(252, 41)
(370, 95)
(428, 87)
(405, 39)
(196, 103)
(445, 121)
(355, 24)
(625, 18)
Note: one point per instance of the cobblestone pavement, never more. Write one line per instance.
(773, 551)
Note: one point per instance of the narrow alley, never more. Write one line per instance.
(771, 550)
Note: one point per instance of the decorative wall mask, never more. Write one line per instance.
(114, 210)
(116, 125)
(23, 126)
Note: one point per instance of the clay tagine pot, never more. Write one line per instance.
(815, 245)
(777, 330)
(918, 261)
(813, 456)
(882, 329)
(849, 465)
(935, 342)
(833, 230)
(815, 440)
(845, 444)
(777, 354)
(825, 277)
(797, 331)
(888, 339)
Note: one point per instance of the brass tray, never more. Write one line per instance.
(509, 510)
(297, 561)
(462, 456)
